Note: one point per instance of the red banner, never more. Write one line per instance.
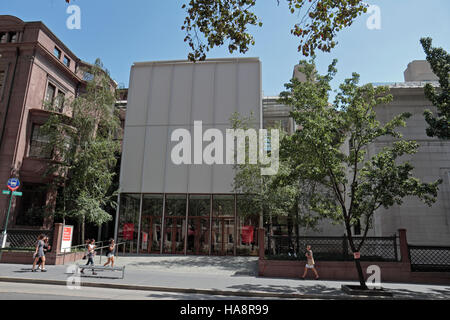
(247, 234)
(128, 231)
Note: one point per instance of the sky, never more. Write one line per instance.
(122, 32)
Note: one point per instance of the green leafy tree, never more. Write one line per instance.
(210, 23)
(439, 59)
(331, 148)
(85, 151)
(281, 202)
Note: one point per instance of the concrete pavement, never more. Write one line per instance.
(223, 276)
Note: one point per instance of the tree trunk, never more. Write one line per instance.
(362, 280)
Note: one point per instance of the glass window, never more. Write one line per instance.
(13, 37)
(174, 224)
(199, 224)
(3, 37)
(151, 227)
(129, 221)
(39, 146)
(67, 61)
(223, 225)
(57, 53)
(247, 226)
(50, 94)
(59, 101)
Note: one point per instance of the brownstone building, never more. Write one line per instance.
(36, 69)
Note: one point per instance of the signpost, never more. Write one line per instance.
(66, 241)
(13, 185)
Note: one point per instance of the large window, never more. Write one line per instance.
(247, 224)
(223, 225)
(174, 224)
(151, 226)
(129, 221)
(59, 101)
(39, 145)
(50, 94)
(198, 235)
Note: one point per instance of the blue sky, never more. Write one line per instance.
(122, 32)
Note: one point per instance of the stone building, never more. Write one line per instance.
(36, 69)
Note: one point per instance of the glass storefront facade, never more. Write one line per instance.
(194, 224)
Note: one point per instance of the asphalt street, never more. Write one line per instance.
(26, 291)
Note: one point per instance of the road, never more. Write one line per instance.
(26, 291)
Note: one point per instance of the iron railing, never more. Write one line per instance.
(22, 239)
(429, 258)
(280, 247)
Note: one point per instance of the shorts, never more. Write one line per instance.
(110, 255)
(309, 266)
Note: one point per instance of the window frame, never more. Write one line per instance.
(59, 51)
(41, 154)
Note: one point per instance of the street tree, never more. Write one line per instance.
(85, 151)
(210, 23)
(332, 149)
(287, 203)
(439, 59)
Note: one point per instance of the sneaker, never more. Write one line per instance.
(33, 270)
(43, 270)
(94, 273)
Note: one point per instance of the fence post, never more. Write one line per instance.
(404, 251)
(261, 236)
(395, 248)
(57, 234)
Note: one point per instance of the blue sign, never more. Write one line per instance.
(13, 184)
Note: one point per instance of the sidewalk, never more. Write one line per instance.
(232, 276)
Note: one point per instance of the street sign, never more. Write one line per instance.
(13, 184)
(66, 241)
(6, 192)
(17, 193)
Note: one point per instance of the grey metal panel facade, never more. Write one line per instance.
(165, 96)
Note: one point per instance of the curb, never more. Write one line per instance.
(194, 291)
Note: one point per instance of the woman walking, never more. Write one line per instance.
(90, 255)
(39, 254)
(110, 253)
(310, 264)
(47, 248)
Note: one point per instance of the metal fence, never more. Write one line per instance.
(331, 248)
(26, 238)
(428, 258)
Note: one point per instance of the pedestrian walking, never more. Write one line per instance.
(110, 253)
(39, 254)
(90, 255)
(310, 263)
(47, 247)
